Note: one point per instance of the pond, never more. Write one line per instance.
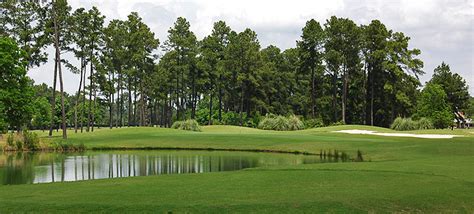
(28, 168)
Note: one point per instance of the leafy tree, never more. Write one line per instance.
(375, 41)
(433, 104)
(244, 61)
(23, 21)
(470, 109)
(57, 23)
(15, 87)
(453, 85)
(212, 58)
(3, 119)
(342, 49)
(311, 54)
(142, 43)
(42, 113)
(183, 43)
(94, 41)
(115, 36)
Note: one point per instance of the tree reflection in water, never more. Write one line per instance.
(26, 168)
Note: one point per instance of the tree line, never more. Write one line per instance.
(338, 72)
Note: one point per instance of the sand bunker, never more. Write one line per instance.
(428, 136)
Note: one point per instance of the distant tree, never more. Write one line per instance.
(23, 21)
(311, 54)
(182, 41)
(42, 113)
(376, 37)
(115, 45)
(433, 104)
(244, 61)
(453, 85)
(79, 31)
(470, 109)
(342, 49)
(94, 41)
(212, 63)
(57, 21)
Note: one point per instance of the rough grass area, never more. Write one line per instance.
(401, 175)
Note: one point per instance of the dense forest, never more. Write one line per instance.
(339, 72)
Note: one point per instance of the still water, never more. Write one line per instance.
(27, 168)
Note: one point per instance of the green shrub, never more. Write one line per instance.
(19, 145)
(295, 123)
(31, 140)
(424, 123)
(280, 123)
(314, 123)
(407, 124)
(338, 123)
(442, 119)
(177, 125)
(397, 123)
(404, 124)
(10, 140)
(190, 125)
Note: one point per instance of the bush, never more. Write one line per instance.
(404, 124)
(10, 140)
(19, 145)
(407, 124)
(31, 140)
(280, 123)
(442, 119)
(433, 104)
(338, 123)
(177, 125)
(424, 123)
(314, 123)
(190, 125)
(295, 123)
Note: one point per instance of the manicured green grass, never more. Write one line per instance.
(403, 175)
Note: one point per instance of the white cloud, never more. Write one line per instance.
(442, 29)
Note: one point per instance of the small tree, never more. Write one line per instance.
(15, 87)
(42, 113)
(433, 105)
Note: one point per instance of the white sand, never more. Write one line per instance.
(428, 136)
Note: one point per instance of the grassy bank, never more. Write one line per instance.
(404, 175)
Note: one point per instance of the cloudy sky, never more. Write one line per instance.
(443, 30)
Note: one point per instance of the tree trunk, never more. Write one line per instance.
(193, 96)
(135, 103)
(241, 104)
(53, 100)
(210, 105)
(93, 107)
(334, 96)
(371, 101)
(78, 97)
(313, 101)
(142, 105)
(61, 85)
(129, 102)
(220, 99)
(344, 94)
(83, 109)
(121, 101)
(177, 98)
(89, 120)
(170, 117)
